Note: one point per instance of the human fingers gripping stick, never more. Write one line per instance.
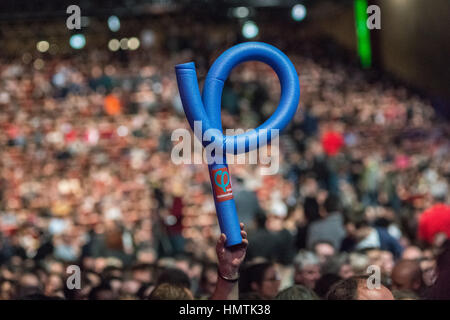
(231, 258)
(229, 262)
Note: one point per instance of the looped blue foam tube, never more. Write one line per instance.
(207, 110)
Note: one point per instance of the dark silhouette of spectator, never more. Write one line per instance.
(329, 228)
(261, 279)
(297, 292)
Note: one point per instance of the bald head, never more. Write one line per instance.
(407, 275)
(412, 253)
(357, 288)
(29, 280)
(366, 293)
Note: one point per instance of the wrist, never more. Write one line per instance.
(230, 276)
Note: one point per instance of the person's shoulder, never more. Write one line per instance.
(384, 234)
(282, 235)
(335, 217)
(316, 223)
(331, 220)
(381, 231)
(259, 234)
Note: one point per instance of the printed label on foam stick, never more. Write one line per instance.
(221, 184)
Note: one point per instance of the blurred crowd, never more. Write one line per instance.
(86, 176)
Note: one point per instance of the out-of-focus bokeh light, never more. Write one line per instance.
(113, 45)
(241, 12)
(27, 57)
(77, 41)
(42, 46)
(38, 64)
(133, 43)
(250, 30)
(113, 23)
(148, 38)
(298, 12)
(124, 43)
(54, 48)
(122, 131)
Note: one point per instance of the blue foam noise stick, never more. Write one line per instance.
(206, 109)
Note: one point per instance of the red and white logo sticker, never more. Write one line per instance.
(222, 184)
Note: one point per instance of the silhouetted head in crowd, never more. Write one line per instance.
(412, 253)
(170, 291)
(441, 287)
(40, 297)
(357, 288)
(361, 228)
(261, 278)
(297, 292)
(407, 275)
(113, 238)
(208, 279)
(249, 296)
(55, 266)
(112, 271)
(332, 204)
(428, 267)
(144, 291)
(102, 292)
(115, 283)
(356, 225)
(183, 262)
(324, 284)
(42, 274)
(174, 276)
(404, 295)
(146, 255)
(29, 284)
(359, 262)
(307, 269)
(129, 289)
(54, 285)
(311, 209)
(143, 272)
(324, 250)
(338, 265)
(7, 289)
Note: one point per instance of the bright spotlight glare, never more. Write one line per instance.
(77, 41)
(113, 23)
(250, 30)
(298, 12)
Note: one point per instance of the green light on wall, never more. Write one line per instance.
(362, 33)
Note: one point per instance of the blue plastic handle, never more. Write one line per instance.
(207, 109)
